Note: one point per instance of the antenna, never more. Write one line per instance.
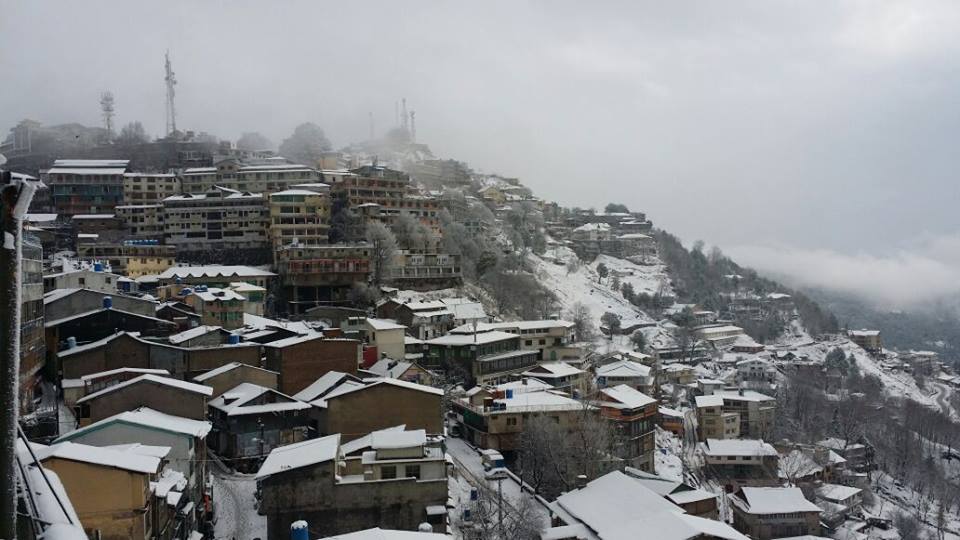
(106, 108)
(396, 112)
(403, 119)
(413, 126)
(171, 92)
(371, 126)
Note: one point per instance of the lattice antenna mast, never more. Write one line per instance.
(106, 107)
(413, 125)
(171, 81)
(403, 111)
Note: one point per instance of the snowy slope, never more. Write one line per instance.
(582, 284)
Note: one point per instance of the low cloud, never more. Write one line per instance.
(901, 278)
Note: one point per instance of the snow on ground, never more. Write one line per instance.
(668, 461)
(470, 467)
(895, 384)
(235, 504)
(582, 285)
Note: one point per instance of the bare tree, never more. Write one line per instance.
(612, 321)
(383, 247)
(253, 141)
(579, 314)
(133, 133)
(306, 145)
(496, 518)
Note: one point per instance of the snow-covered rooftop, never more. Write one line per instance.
(738, 447)
(386, 367)
(837, 492)
(235, 401)
(102, 374)
(225, 368)
(196, 332)
(364, 442)
(128, 460)
(625, 397)
(480, 338)
(384, 324)
(384, 534)
(323, 385)
(550, 370)
(770, 500)
(150, 378)
(708, 401)
(623, 369)
(397, 439)
(147, 417)
(299, 455)
(212, 271)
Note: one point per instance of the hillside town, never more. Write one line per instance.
(373, 343)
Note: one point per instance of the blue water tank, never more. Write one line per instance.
(299, 530)
(71, 342)
(233, 339)
(107, 302)
(509, 393)
(97, 267)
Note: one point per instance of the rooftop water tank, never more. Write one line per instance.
(299, 530)
(107, 302)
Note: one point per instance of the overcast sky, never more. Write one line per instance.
(821, 133)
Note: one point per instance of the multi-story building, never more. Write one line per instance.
(742, 462)
(403, 484)
(495, 417)
(215, 276)
(142, 220)
(149, 188)
(216, 306)
(427, 271)
(32, 341)
(133, 258)
(479, 358)
(320, 275)
(774, 512)
(869, 340)
(756, 411)
(555, 340)
(85, 186)
(368, 184)
(299, 216)
(713, 422)
(635, 415)
(219, 225)
(234, 174)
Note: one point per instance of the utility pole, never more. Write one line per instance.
(16, 191)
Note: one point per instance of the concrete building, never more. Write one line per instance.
(386, 337)
(242, 176)
(597, 511)
(756, 413)
(185, 437)
(216, 306)
(559, 375)
(774, 512)
(403, 484)
(742, 462)
(635, 415)
(74, 389)
(555, 340)
(235, 373)
(219, 225)
(109, 488)
(482, 358)
(163, 394)
(301, 360)
(695, 502)
(215, 276)
(149, 188)
(142, 221)
(32, 341)
(424, 320)
(321, 275)
(86, 277)
(633, 374)
(300, 216)
(354, 409)
(425, 271)
(250, 420)
(713, 422)
(868, 340)
(85, 186)
(494, 418)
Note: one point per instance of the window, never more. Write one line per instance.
(388, 472)
(413, 471)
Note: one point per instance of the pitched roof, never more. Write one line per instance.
(383, 534)
(738, 447)
(623, 368)
(599, 505)
(299, 455)
(553, 369)
(149, 418)
(225, 368)
(770, 500)
(234, 401)
(149, 378)
(106, 457)
(625, 397)
(364, 442)
(213, 271)
(102, 374)
(397, 439)
(192, 333)
(385, 367)
(372, 383)
(327, 382)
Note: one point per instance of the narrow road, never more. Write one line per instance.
(235, 504)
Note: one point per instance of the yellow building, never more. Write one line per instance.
(299, 214)
(109, 487)
(149, 188)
